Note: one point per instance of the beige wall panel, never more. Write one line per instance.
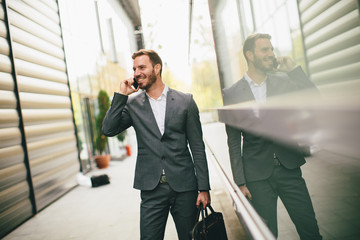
(35, 85)
(31, 55)
(44, 129)
(51, 4)
(49, 146)
(4, 46)
(50, 178)
(54, 184)
(333, 29)
(345, 73)
(33, 100)
(305, 4)
(37, 71)
(15, 215)
(13, 195)
(344, 40)
(33, 116)
(55, 159)
(52, 135)
(11, 156)
(5, 64)
(1, 12)
(6, 81)
(12, 175)
(45, 107)
(315, 9)
(9, 118)
(46, 10)
(337, 59)
(34, 28)
(27, 39)
(331, 14)
(34, 15)
(50, 143)
(10, 137)
(3, 30)
(7, 99)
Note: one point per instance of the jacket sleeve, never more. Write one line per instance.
(300, 80)
(234, 141)
(197, 146)
(117, 118)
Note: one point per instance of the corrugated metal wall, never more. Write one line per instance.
(37, 135)
(332, 38)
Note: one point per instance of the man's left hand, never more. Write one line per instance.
(204, 198)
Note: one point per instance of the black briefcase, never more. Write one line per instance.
(211, 227)
(100, 180)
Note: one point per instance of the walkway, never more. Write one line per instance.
(111, 212)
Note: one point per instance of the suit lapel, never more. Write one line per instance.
(245, 93)
(170, 107)
(150, 115)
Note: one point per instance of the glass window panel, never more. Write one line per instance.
(247, 17)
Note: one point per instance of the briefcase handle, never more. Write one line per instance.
(202, 210)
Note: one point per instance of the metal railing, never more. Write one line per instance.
(251, 221)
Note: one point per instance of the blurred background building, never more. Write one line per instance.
(55, 57)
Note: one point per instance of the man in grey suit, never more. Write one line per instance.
(166, 122)
(262, 168)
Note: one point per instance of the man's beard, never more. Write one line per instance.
(258, 63)
(152, 80)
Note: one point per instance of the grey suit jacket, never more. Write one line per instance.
(184, 171)
(251, 155)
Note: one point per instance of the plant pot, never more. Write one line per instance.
(128, 150)
(102, 161)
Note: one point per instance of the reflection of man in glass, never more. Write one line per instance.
(263, 169)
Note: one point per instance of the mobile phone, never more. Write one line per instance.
(135, 83)
(275, 63)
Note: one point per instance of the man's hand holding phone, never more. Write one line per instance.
(127, 86)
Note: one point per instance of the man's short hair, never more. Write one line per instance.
(154, 57)
(249, 43)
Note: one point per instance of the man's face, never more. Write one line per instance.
(263, 55)
(144, 72)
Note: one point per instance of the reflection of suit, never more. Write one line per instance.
(184, 171)
(254, 158)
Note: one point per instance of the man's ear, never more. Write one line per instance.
(157, 68)
(249, 55)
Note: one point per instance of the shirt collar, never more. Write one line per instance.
(163, 94)
(251, 82)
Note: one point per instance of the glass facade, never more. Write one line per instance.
(323, 38)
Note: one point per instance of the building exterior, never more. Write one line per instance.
(54, 58)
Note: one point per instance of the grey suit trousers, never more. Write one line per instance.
(154, 211)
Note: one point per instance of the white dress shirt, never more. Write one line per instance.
(258, 90)
(158, 107)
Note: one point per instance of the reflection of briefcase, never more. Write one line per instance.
(211, 227)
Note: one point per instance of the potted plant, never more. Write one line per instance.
(102, 160)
